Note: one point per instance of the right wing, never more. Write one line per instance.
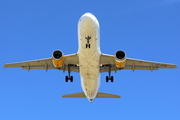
(131, 64)
(46, 64)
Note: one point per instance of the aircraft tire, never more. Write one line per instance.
(71, 79)
(112, 79)
(66, 78)
(107, 79)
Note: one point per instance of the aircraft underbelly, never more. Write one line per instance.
(89, 55)
(89, 71)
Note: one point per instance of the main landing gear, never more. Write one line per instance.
(109, 77)
(69, 77)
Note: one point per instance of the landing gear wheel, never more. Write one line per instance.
(71, 79)
(112, 79)
(88, 45)
(107, 79)
(66, 78)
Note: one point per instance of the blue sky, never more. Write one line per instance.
(144, 29)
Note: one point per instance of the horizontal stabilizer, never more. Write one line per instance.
(107, 95)
(99, 95)
(75, 95)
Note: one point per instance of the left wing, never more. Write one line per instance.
(131, 64)
(46, 64)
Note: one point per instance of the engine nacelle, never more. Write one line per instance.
(58, 58)
(120, 58)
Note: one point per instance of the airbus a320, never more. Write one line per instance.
(89, 61)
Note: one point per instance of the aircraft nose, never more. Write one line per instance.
(89, 14)
(88, 17)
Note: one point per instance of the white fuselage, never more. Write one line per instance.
(89, 54)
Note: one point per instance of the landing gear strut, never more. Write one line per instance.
(69, 77)
(109, 77)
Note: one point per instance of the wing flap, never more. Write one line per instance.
(38, 67)
(73, 69)
(140, 68)
(114, 68)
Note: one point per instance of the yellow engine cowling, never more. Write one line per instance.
(57, 58)
(120, 58)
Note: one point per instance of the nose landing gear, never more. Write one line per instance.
(88, 44)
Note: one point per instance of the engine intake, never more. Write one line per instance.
(57, 54)
(120, 58)
(58, 58)
(120, 55)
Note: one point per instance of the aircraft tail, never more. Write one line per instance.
(99, 95)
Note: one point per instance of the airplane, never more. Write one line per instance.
(89, 61)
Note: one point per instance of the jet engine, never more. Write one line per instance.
(120, 58)
(58, 58)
